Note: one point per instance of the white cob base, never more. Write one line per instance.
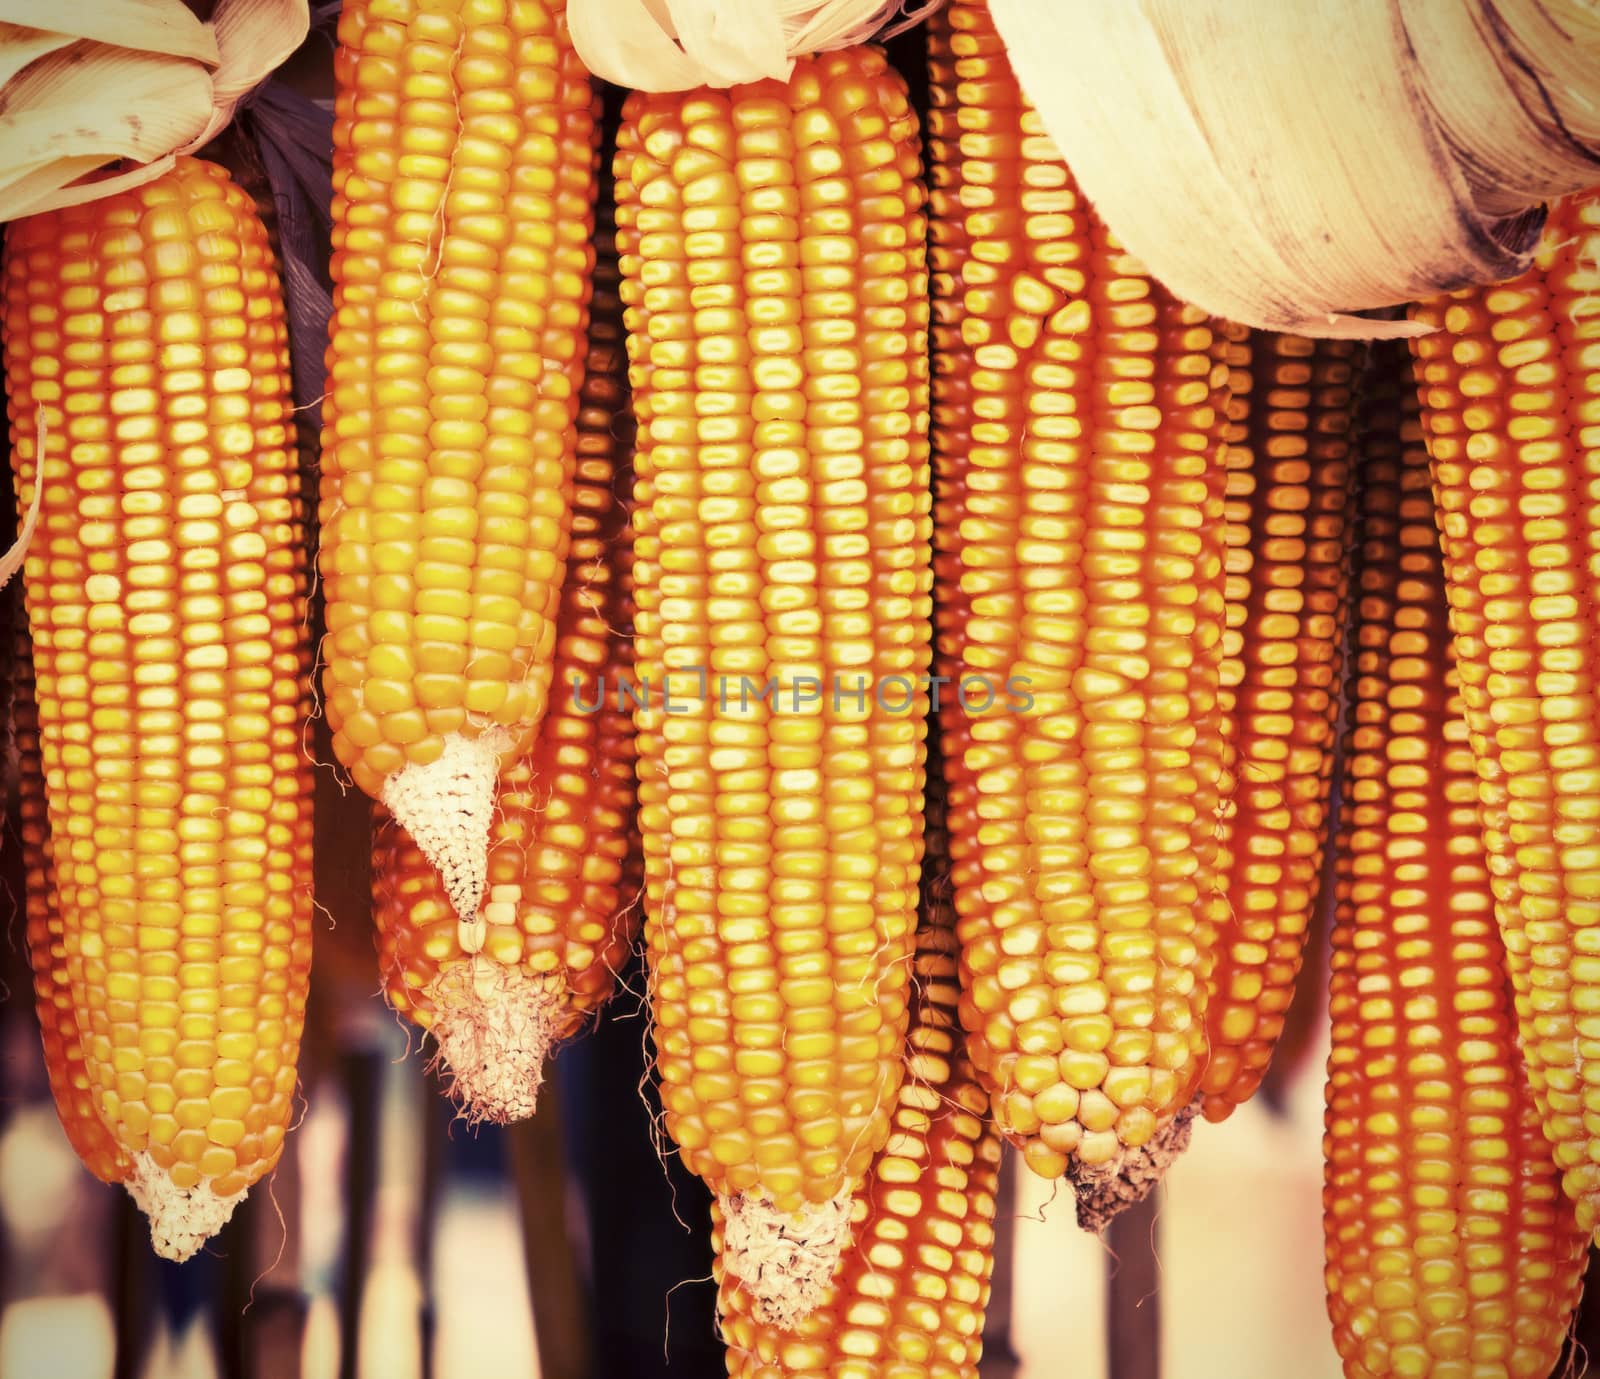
(1106, 1190)
(493, 1027)
(182, 1219)
(447, 807)
(783, 1261)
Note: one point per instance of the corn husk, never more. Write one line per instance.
(1284, 165)
(84, 85)
(672, 45)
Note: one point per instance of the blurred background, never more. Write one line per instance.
(394, 1242)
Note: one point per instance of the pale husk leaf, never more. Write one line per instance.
(672, 45)
(1285, 165)
(1487, 85)
(87, 104)
(20, 46)
(255, 37)
(1557, 44)
(168, 27)
(90, 100)
(57, 184)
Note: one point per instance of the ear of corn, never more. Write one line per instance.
(166, 603)
(558, 919)
(1079, 513)
(1289, 494)
(908, 1297)
(65, 1065)
(464, 179)
(1450, 1248)
(1510, 389)
(772, 243)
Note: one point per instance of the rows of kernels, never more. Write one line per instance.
(1079, 513)
(70, 1084)
(556, 905)
(1288, 498)
(167, 607)
(464, 177)
(773, 262)
(1510, 388)
(1451, 1250)
(908, 1299)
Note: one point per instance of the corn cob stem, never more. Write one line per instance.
(1510, 389)
(1289, 494)
(773, 269)
(166, 604)
(557, 921)
(1450, 1247)
(464, 177)
(908, 1297)
(1079, 514)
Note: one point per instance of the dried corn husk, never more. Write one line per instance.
(1282, 165)
(672, 45)
(83, 85)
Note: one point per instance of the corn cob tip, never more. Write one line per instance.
(447, 806)
(1105, 1191)
(783, 1261)
(181, 1219)
(494, 1028)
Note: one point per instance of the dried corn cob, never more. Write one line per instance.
(1510, 390)
(557, 920)
(1289, 494)
(1079, 514)
(464, 177)
(167, 607)
(772, 245)
(1450, 1248)
(908, 1298)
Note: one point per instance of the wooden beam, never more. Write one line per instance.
(560, 1306)
(1000, 1360)
(135, 1301)
(1133, 1298)
(362, 1080)
(262, 1327)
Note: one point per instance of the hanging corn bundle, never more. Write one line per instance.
(1510, 390)
(1450, 1248)
(166, 601)
(772, 246)
(557, 919)
(1289, 493)
(464, 180)
(908, 1298)
(1080, 584)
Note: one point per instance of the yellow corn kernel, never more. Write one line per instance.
(64, 1063)
(167, 610)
